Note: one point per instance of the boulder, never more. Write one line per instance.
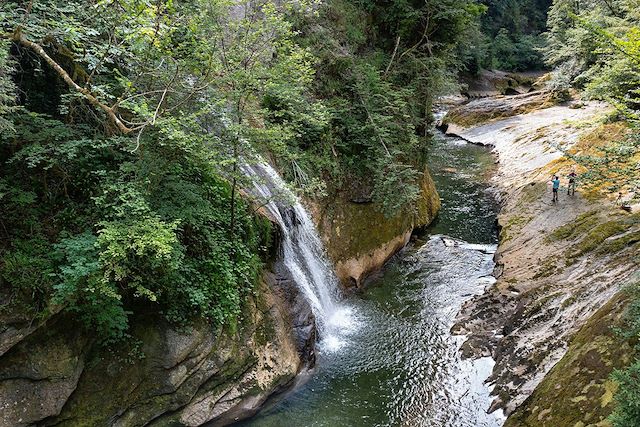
(359, 239)
(38, 375)
(165, 374)
(488, 83)
(479, 111)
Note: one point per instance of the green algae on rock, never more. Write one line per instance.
(358, 237)
(164, 375)
(578, 391)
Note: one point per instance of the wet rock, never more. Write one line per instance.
(548, 287)
(38, 375)
(490, 83)
(301, 316)
(478, 346)
(164, 375)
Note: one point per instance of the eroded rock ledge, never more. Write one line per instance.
(54, 374)
(557, 266)
(359, 239)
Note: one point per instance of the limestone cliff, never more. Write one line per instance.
(53, 373)
(359, 239)
(559, 269)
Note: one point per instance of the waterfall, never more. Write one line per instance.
(303, 253)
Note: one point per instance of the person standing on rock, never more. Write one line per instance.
(571, 189)
(556, 186)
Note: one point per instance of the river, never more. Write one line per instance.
(396, 363)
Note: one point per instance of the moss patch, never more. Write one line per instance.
(577, 391)
(628, 240)
(596, 236)
(548, 268)
(351, 230)
(532, 192)
(578, 227)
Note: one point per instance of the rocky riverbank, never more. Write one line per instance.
(560, 268)
(54, 373)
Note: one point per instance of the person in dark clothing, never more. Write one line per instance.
(571, 189)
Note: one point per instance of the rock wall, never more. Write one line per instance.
(578, 390)
(558, 264)
(359, 239)
(165, 375)
(489, 83)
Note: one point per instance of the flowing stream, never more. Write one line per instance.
(397, 363)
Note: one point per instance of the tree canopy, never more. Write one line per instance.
(124, 124)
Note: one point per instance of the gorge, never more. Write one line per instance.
(338, 212)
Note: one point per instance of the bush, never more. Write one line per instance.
(106, 235)
(627, 397)
(627, 412)
(560, 85)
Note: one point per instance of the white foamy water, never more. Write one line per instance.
(304, 257)
(394, 361)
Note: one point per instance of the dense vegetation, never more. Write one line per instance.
(595, 47)
(378, 68)
(512, 35)
(124, 125)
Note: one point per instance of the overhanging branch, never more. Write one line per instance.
(19, 37)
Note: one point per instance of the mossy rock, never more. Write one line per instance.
(165, 374)
(359, 234)
(578, 391)
(578, 227)
(593, 231)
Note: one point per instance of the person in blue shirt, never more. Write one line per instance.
(556, 186)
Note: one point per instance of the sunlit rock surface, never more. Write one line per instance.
(358, 237)
(557, 264)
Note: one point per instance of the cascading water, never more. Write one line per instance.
(402, 366)
(303, 253)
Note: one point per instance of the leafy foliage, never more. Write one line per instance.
(125, 125)
(379, 66)
(627, 412)
(7, 89)
(511, 35)
(596, 46)
(106, 222)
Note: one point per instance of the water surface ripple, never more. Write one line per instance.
(399, 364)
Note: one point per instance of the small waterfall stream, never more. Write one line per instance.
(303, 253)
(397, 363)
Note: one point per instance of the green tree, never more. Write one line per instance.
(121, 174)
